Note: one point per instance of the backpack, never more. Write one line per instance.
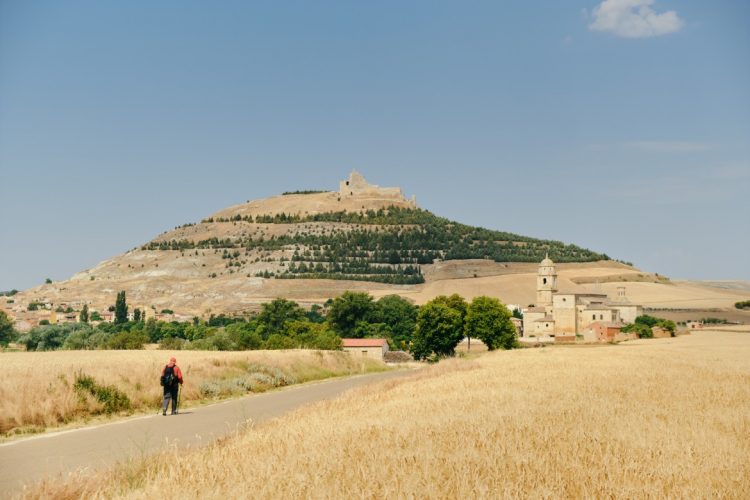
(169, 378)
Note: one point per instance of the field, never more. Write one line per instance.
(37, 388)
(657, 418)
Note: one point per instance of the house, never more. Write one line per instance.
(604, 331)
(366, 348)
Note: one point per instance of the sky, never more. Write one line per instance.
(621, 125)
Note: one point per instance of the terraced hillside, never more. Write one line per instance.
(387, 245)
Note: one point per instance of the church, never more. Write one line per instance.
(562, 316)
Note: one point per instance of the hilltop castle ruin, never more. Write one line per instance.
(357, 186)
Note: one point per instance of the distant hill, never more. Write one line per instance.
(306, 245)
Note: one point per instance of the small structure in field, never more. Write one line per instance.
(366, 348)
(604, 331)
(694, 325)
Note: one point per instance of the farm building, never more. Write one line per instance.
(367, 348)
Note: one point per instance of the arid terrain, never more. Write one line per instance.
(226, 264)
(650, 418)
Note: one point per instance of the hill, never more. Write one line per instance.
(311, 246)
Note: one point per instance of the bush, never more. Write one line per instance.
(112, 398)
(641, 329)
(744, 304)
(172, 344)
(128, 340)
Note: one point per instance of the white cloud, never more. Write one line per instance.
(634, 19)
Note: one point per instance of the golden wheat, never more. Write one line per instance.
(663, 418)
(36, 388)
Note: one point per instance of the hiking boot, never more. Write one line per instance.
(164, 413)
(174, 412)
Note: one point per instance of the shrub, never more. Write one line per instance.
(112, 398)
(744, 304)
(128, 340)
(172, 344)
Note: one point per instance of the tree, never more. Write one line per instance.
(647, 320)
(641, 329)
(455, 302)
(137, 316)
(121, 309)
(400, 315)
(48, 281)
(7, 332)
(349, 309)
(489, 321)
(439, 329)
(95, 316)
(84, 316)
(276, 314)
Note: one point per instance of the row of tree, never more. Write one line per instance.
(430, 331)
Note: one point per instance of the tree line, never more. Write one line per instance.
(427, 332)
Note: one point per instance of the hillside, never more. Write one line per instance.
(313, 246)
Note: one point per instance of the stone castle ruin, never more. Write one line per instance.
(357, 187)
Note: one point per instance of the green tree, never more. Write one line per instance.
(7, 332)
(349, 309)
(489, 321)
(244, 335)
(439, 329)
(275, 315)
(47, 281)
(401, 317)
(128, 340)
(121, 309)
(668, 325)
(641, 329)
(647, 320)
(84, 316)
(95, 316)
(137, 316)
(455, 302)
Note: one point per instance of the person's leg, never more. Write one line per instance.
(174, 399)
(165, 403)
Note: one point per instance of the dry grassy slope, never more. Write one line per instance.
(183, 282)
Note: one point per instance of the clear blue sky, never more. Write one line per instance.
(622, 126)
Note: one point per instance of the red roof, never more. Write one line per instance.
(363, 342)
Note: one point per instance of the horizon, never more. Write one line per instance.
(623, 131)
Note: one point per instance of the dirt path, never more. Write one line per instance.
(58, 454)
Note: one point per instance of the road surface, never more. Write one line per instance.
(57, 454)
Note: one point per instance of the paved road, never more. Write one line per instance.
(57, 454)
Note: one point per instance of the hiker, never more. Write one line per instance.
(171, 379)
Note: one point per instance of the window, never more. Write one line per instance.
(601, 316)
(364, 353)
(544, 281)
(593, 316)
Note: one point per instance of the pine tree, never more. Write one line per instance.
(121, 309)
(84, 317)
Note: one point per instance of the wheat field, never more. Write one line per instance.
(37, 388)
(658, 418)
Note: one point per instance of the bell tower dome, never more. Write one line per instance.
(546, 282)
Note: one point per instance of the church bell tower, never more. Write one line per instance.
(546, 283)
